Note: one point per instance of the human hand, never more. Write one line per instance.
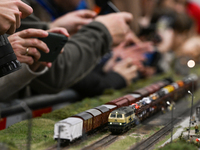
(133, 51)
(73, 21)
(25, 45)
(190, 48)
(126, 69)
(117, 25)
(131, 38)
(11, 12)
(136, 52)
(59, 30)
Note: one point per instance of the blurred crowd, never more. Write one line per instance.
(112, 43)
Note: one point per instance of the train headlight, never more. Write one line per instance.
(110, 122)
(120, 123)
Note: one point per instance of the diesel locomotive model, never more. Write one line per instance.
(124, 112)
(121, 119)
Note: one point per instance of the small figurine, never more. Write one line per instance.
(196, 129)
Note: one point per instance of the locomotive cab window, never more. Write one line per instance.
(119, 115)
(113, 115)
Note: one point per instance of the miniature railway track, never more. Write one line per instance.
(77, 142)
(143, 145)
(146, 144)
(102, 143)
(149, 142)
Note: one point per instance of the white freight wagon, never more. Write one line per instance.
(68, 129)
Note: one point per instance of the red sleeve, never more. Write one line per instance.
(194, 11)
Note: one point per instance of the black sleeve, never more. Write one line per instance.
(95, 84)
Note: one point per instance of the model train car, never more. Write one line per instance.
(117, 121)
(121, 119)
(76, 126)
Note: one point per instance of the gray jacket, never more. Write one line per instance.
(81, 53)
(12, 83)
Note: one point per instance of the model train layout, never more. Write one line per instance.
(124, 112)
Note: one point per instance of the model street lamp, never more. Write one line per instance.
(171, 104)
(190, 113)
(191, 64)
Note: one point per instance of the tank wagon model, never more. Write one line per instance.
(130, 109)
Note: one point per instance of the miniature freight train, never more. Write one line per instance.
(141, 104)
(122, 119)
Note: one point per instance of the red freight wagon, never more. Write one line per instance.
(150, 89)
(97, 117)
(133, 98)
(110, 107)
(156, 87)
(162, 84)
(143, 92)
(105, 113)
(119, 102)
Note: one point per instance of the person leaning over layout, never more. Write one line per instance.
(24, 46)
(81, 52)
(11, 12)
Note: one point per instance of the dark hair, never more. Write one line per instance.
(180, 22)
(183, 22)
(160, 2)
(160, 12)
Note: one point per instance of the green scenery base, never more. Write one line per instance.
(15, 136)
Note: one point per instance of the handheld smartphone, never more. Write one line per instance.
(55, 42)
(108, 7)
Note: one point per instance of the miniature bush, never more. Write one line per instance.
(179, 146)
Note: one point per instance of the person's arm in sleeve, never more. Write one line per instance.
(81, 53)
(15, 81)
(95, 84)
